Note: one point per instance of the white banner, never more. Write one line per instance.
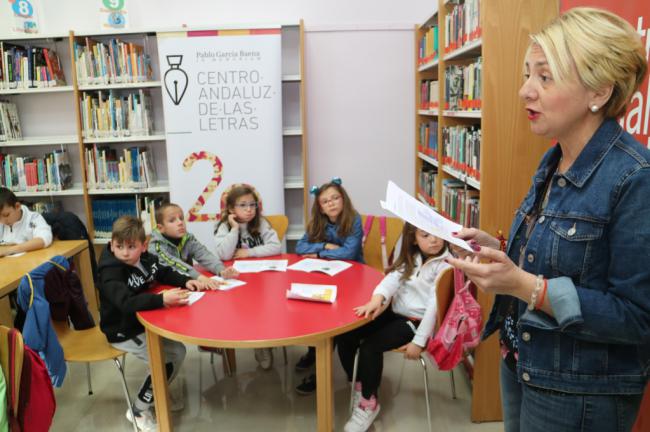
(222, 93)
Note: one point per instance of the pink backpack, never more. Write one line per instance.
(461, 328)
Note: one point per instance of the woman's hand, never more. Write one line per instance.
(241, 253)
(476, 239)
(371, 309)
(229, 272)
(232, 221)
(411, 351)
(331, 246)
(175, 297)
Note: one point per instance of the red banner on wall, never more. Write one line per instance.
(637, 119)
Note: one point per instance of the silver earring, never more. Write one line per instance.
(594, 108)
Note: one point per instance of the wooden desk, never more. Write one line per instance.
(13, 269)
(258, 315)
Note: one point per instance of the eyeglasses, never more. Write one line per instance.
(244, 206)
(331, 200)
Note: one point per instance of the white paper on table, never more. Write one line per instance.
(228, 284)
(256, 266)
(312, 292)
(422, 216)
(194, 297)
(330, 267)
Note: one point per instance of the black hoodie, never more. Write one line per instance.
(123, 292)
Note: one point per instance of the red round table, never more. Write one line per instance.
(258, 314)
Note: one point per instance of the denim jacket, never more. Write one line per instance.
(350, 246)
(592, 243)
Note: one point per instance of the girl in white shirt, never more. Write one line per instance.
(21, 230)
(409, 286)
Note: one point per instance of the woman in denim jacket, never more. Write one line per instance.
(573, 287)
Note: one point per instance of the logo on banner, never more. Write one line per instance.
(175, 79)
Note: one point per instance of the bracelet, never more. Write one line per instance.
(539, 283)
(540, 302)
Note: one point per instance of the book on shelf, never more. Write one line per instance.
(105, 114)
(51, 172)
(23, 67)
(462, 149)
(456, 199)
(427, 183)
(312, 292)
(429, 138)
(105, 211)
(428, 47)
(462, 25)
(111, 62)
(9, 122)
(329, 267)
(463, 86)
(108, 169)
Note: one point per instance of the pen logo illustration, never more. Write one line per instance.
(175, 79)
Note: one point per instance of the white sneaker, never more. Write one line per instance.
(144, 421)
(361, 419)
(264, 357)
(356, 398)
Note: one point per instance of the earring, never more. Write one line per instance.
(594, 108)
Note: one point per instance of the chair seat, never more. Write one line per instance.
(84, 345)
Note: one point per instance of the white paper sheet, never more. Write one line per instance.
(312, 292)
(256, 266)
(194, 297)
(330, 267)
(422, 216)
(228, 283)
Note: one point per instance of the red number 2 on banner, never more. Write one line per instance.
(194, 215)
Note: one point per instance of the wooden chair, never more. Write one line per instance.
(372, 248)
(444, 295)
(280, 223)
(6, 363)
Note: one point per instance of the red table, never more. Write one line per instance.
(257, 315)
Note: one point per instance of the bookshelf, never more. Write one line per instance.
(508, 152)
(52, 118)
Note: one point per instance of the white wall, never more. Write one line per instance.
(359, 74)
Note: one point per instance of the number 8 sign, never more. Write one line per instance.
(22, 8)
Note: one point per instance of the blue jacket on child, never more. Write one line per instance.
(38, 332)
(350, 246)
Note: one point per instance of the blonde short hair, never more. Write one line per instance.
(605, 49)
(128, 229)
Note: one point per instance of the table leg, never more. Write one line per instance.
(159, 381)
(324, 393)
(85, 271)
(6, 317)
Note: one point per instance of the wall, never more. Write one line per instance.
(359, 73)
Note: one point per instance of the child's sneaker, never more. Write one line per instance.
(264, 357)
(307, 386)
(356, 396)
(361, 419)
(143, 420)
(305, 362)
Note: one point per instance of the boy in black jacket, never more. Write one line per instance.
(125, 272)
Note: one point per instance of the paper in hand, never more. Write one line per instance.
(422, 216)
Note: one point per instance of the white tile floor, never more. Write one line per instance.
(258, 400)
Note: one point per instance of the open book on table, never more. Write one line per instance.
(228, 284)
(319, 265)
(312, 292)
(256, 266)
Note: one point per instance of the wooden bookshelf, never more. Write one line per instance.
(509, 152)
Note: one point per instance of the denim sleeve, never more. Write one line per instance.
(351, 246)
(620, 314)
(304, 246)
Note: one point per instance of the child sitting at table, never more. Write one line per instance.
(177, 248)
(334, 232)
(21, 230)
(126, 271)
(407, 324)
(242, 232)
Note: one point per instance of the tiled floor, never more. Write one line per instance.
(255, 400)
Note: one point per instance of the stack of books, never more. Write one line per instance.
(113, 62)
(23, 67)
(108, 169)
(51, 172)
(105, 115)
(9, 122)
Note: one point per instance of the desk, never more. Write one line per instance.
(13, 270)
(258, 315)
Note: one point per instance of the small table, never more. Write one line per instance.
(14, 268)
(258, 315)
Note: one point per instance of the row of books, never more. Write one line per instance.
(427, 183)
(108, 169)
(462, 149)
(462, 25)
(106, 211)
(428, 47)
(463, 86)
(112, 62)
(23, 67)
(106, 114)
(429, 138)
(51, 172)
(9, 122)
(459, 203)
(429, 95)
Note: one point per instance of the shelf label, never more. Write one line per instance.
(113, 14)
(25, 16)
